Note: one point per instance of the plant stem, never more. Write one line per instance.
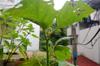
(15, 49)
(11, 42)
(47, 47)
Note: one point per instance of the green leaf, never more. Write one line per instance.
(35, 61)
(62, 53)
(72, 13)
(6, 44)
(14, 34)
(5, 36)
(44, 13)
(24, 40)
(61, 39)
(11, 24)
(30, 28)
(9, 45)
(22, 51)
(34, 36)
(24, 33)
(12, 46)
(41, 13)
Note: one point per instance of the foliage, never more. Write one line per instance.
(62, 53)
(58, 51)
(61, 40)
(38, 61)
(72, 12)
(35, 61)
(44, 14)
(55, 34)
(14, 36)
(37, 11)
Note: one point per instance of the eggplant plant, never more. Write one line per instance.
(57, 50)
(44, 14)
(14, 37)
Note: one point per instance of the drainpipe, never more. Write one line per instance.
(74, 45)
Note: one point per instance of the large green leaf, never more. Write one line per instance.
(43, 13)
(72, 12)
(35, 10)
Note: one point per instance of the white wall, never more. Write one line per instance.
(6, 4)
(92, 53)
(35, 41)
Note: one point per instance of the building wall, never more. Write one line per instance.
(90, 52)
(6, 4)
(34, 41)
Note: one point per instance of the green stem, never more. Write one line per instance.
(12, 41)
(15, 49)
(47, 47)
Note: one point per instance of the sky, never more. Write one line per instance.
(58, 4)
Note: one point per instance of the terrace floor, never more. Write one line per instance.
(83, 61)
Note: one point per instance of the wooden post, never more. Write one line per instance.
(74, 45)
